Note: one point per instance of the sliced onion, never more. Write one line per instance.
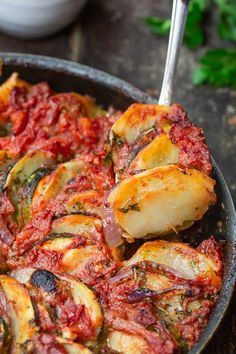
(122, 274)
(5, 235)
(139, 294)
(112, 231)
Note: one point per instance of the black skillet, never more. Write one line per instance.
(108, 90)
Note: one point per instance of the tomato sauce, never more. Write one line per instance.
(69, 127)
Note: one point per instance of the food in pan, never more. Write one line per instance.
(91, 201)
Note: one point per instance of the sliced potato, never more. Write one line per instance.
(80, 292)
(26, 192)
(88, 202)
(72, 347)
(5, 156)
(157, 282)
(83, 295)
(57, 242)
(38, 192)
(9, 84)
(76, 224)
(137, 119)
(187, 262)
(159, 152)
(21, 312)
(24, 168)
(71, 102)
(161, 200)
(57, 181)
(5, 336)
(125, 343)
(76, 348)
(77, 258)
(73, 259)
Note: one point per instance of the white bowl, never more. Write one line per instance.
(37, 18)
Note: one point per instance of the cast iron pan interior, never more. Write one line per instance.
(108, 90)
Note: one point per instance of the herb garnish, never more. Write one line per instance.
(3, 131)
(107, 159)
(79, 205)
(134, 207)
(116, 139)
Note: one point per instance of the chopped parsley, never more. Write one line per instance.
(79, 205)
(107, 159)
(134, 207)
(116, 139)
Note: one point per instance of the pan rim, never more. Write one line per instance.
(131, 92)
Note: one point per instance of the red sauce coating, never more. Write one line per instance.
(39, 119)
(190, 139)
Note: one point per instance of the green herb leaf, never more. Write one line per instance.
(158, 25)
(3, 131)
(79, 205)
(107, 159)
(116, 139)
(200, 75)
(217, 68)
(134, 207)
(194, 34)
(227, 23)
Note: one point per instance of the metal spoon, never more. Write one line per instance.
(178, 20)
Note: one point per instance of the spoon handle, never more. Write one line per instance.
(178, 19)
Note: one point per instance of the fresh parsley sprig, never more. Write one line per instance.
(194, 33)
(227, 19)
(158, 25)
(217, 67)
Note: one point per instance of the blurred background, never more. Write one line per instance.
(129, 39)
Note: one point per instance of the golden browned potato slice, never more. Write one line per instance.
(24, 168)
(124, 343)
(187, 262)
(81, 294)
(86, 226)
(159, 152)
(76, 224)
(137, 119)
(20, 311)
(72, 347)
(5, 155)
(9, 84)
(57, 242)
(57, 181)
(77, 258)
(157, 282)
(73, 259)
(161, 200)
(91, 109)
(88, 202)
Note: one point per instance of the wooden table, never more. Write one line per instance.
(111, 35)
